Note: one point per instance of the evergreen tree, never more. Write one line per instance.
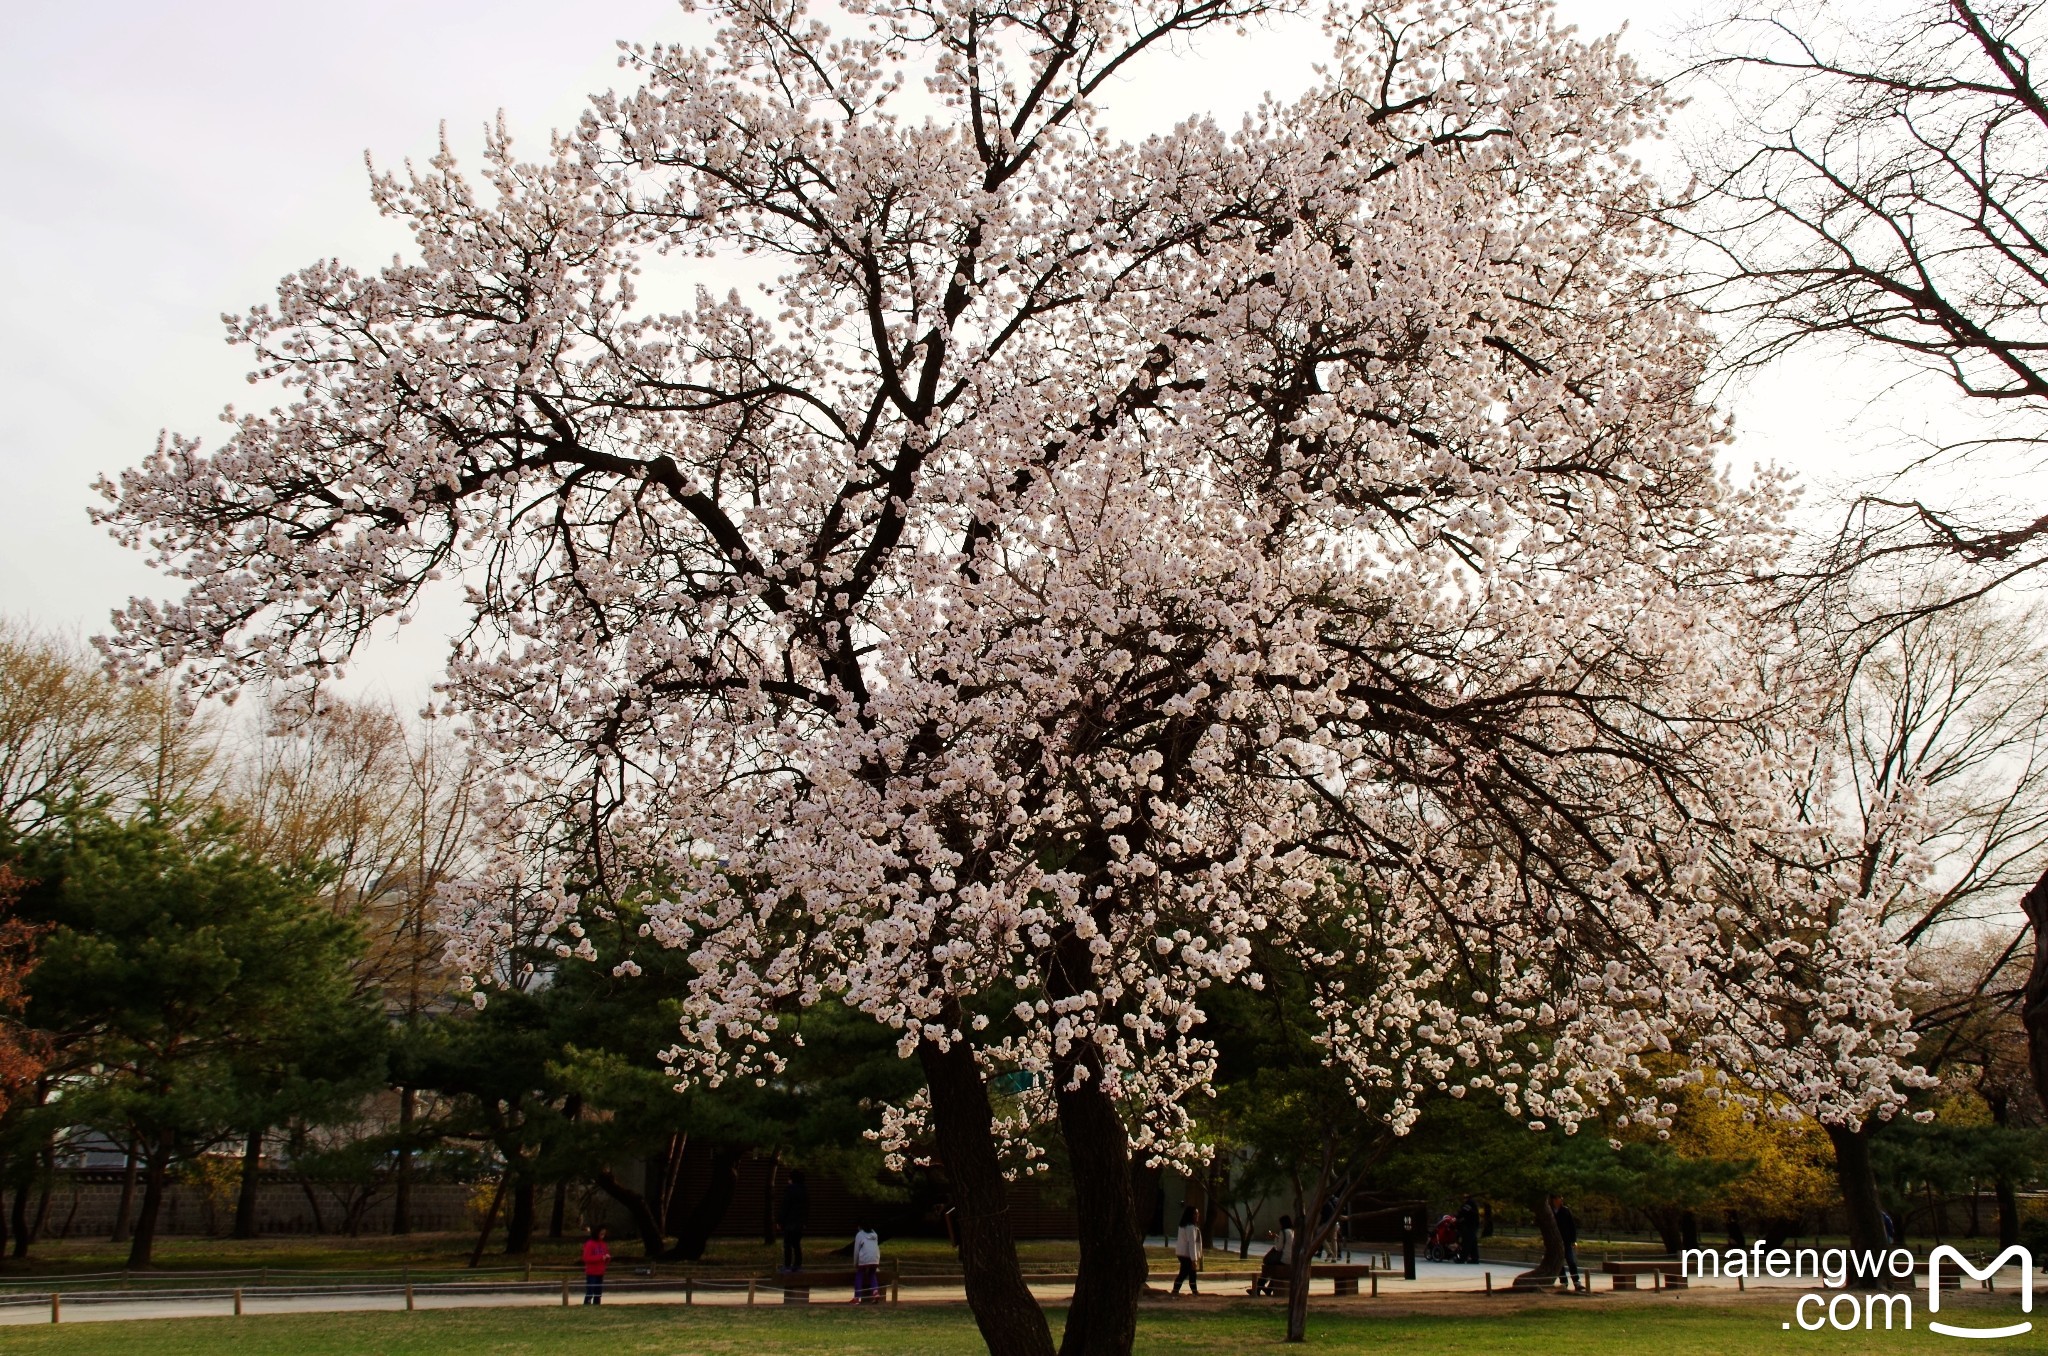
(195, 989)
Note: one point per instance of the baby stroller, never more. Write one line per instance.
(1443, 1241)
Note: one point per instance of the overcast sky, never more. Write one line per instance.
(167, 163)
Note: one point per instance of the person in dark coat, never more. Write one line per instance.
(1468, 1230)
(1568, 1230)
(796, 1205)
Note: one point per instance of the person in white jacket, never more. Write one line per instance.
(1187, 1245)
(867, 1266)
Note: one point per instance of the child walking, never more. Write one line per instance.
(867, 1266)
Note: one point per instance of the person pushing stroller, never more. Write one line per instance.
(1443, 1241)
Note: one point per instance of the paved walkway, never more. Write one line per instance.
(23, 1306)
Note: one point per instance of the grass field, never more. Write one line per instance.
(1632, 1326)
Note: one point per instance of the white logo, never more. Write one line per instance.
(2015, 1253)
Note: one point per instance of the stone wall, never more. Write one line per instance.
(83, 1204)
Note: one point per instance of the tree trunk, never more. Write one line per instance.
(1666, 1220)
(1858, 1183)
(2034, 997)
(1215, 1224)
(1010, 1320)
(644, 1219)
(22, 1236)
(572, 1111)
(671, 1167)
(354, 1207)
(2008, 1199)
(245, 1199)
(312, 1196)
(1309, 1227)
(694, 1233)
(1550, 1265)
(1298, 1276)
(519, 1227)
(2008, 1213)
(155, 1172)
(1103, 1319)
(43, 1191)
(483, 1237)
(125, 1211)
(401, 1191)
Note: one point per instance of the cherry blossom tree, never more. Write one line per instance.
(1069, 561)
(1922, 803)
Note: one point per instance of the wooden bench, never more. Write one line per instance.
(1627, 1275)
(1344, 1277)
(796, 1286)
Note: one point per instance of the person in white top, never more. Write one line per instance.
(1277, 1260)
(867, 1266)
(1187, 1245)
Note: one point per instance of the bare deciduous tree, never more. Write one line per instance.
(388, 805)
(1889, 193)
(68, 730)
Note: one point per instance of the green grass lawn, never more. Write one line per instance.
(1629, 1326)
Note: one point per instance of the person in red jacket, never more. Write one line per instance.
(596, 1255)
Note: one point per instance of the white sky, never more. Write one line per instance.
(167, 163)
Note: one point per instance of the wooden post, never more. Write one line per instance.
(1489, 1283)
(528, 1278)
(1375, 1285)
(750, 1291)
(238, 1301)
(1739, 1286)
(565, 1292)
(408, 1296)
(689, 1287)
(56, 1307)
